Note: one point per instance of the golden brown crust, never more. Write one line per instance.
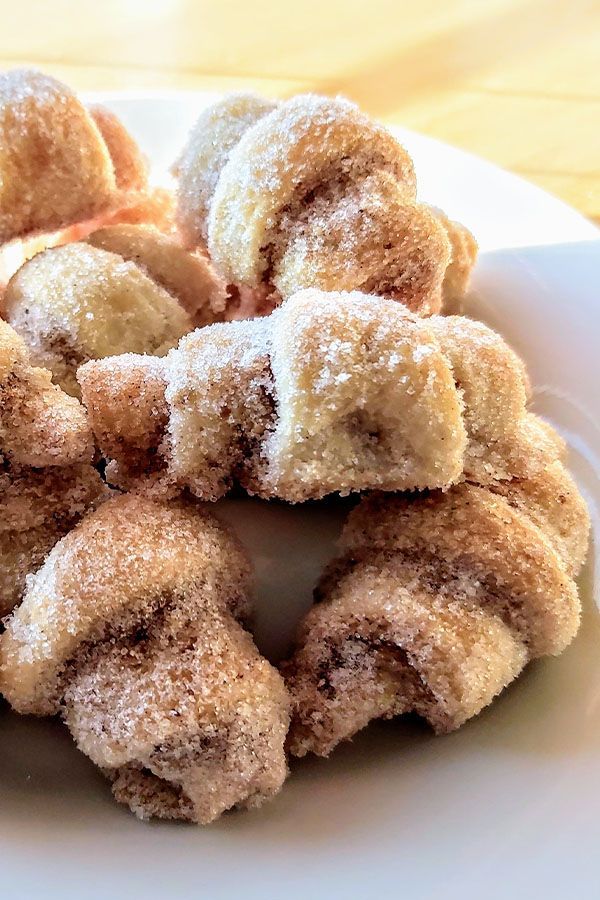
(332, 392)
(129, 627)
(55, 168)
(436, 604)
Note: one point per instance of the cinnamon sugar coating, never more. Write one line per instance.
(59, 163)
(292, 150)
(54, 165)
(66, 171)
(46, 478)
(131, 629)
(39, 506)
(39, 424)
(365, 235)
(128, 288)
(331, 393)
(132, 607)
(312, 193)
(436, 604)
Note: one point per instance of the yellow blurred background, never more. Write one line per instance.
(516, 81)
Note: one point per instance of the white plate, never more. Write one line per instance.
(506, 807)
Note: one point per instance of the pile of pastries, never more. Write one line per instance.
(284, 325)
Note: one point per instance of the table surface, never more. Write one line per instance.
(516, 82)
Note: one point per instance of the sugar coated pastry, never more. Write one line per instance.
(58, 163)
(188, 276)
(38, 508)
(310, 193)
(153, 208)
(436, 604)
(215, 134)
(128, 288)
(463, 254)
(367, 237)
(39, 424)
(129, 164)
(47, 481)
(90, 174)
(130, 629)
(273, 326)
(331, 393)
